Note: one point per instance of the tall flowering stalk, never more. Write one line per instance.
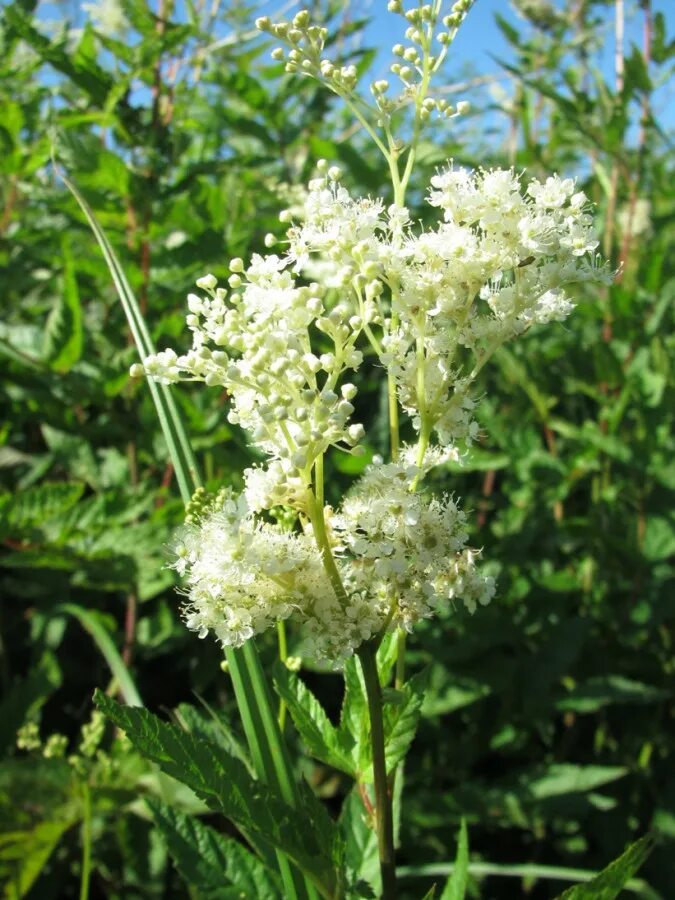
(288, 332)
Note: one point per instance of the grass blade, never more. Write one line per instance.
(91, 623)
(251, 690)
(526, 870)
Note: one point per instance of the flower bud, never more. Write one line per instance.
(207, 282)
(195, 303)
(312, 362)
(301, 19)
(328, 398)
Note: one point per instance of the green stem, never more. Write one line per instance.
(318, 483)
(85, 874)
(283, 656)
(316, 517)
(394, 440)
(267, 748)
(383, 806)
(399, 678)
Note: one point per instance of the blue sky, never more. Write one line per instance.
(477, 45)
(480, 41)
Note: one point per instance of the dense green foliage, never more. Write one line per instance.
(547, 725)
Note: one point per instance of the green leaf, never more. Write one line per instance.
(33, 507)
(361, 855)
(63, 332)
(659, 538)
(180, 451)
(455, 887)
(611, 881)
(91, 621)
(607, 689)
(323, 740)
(207, 859)
(79, 67)
(354, 716)
(566, 778)
(476, 460)
(402, 711)
(354, 726)
(24, 854)
(402, 718)
(637, 78)
(25, 697)
(511, 34)
(213, 728)
(226, 786)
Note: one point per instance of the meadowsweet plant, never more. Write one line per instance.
(354, 282)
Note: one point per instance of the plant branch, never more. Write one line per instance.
(383, 806)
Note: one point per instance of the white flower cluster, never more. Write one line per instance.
(241, 576)
(434, 305)
(400, 556)
(255, 342)
(427, 37)
(447, 298)
(406, 549)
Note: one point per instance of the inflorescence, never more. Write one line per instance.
(432, 305)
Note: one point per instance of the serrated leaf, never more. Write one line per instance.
(226, 786)
(323, 740)
(207, 859)
(455, 886)
(63, 331)
(361, 855)
(611, 881)
(354, 728)
(354, 711)
(214, 728)
(32, 507)
(402, 718)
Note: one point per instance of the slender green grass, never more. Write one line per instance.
(526, 870)
(253, 697)
(91, 623)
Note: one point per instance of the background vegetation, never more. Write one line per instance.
(549, 721)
